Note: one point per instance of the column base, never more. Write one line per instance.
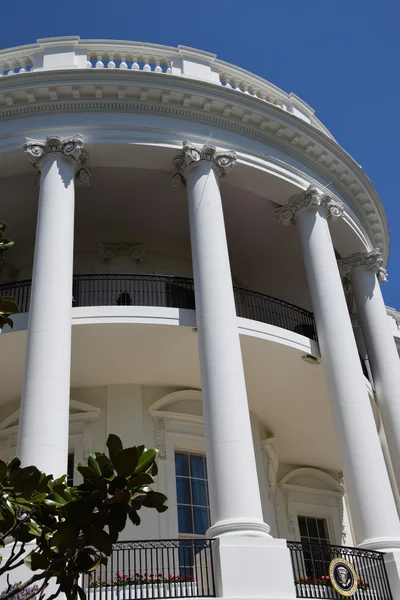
(253, 567)
(392, 563)
(239, 527)
(384, 544)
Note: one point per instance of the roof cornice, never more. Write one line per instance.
(204, 102)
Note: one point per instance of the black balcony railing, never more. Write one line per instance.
(311, 564)
(181, 568)
(175, 292)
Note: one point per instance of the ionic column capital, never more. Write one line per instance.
(370, 260)
(311, 198)
(72, 148)
(190, 155)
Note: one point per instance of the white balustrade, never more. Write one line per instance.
(74, 53)
(129, 60)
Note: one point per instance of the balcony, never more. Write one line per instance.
(181, 568)
(313, 572)
(170, 292)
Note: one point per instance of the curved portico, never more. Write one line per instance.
(168, 227)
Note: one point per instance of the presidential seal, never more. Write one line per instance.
(343, 577)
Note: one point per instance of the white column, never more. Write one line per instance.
(44, 418)
(366, 272)
(375, 520)
(234, 491)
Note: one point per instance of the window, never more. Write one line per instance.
(192, 494)
(70, 469)
(314, 531)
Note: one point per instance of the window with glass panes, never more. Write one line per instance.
(192, 493)
(314, 531)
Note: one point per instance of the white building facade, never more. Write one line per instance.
(205, 279)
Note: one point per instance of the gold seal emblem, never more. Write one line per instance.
(343, 577)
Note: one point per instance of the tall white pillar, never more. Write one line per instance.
(373, 510)
(236, 511)
(366, 272)
(235, 500)
(44, 417)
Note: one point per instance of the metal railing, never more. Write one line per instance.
(181, 568)
(311, 563)
(169, 291)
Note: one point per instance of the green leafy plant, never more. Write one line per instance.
(73, 528)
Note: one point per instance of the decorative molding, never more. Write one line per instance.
(87, 439)
(191, 154)
(339, 506)
(161, 437)
(371, 260)
(79, 413)
(161, 415)
(335, 486)
(327, 157)
(288, 491)
(136, 252)
(290, 514)
(268, 448)
(310, 198)
(71, 148)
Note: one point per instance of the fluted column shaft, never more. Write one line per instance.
(44, 418)
(373, 510)
(235, 497)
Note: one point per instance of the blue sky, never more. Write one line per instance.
(340, 56)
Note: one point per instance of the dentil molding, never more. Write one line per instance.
(191, 155)
(72, 148)
(311, 198)
(370, 260)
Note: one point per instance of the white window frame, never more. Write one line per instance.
(179, 442)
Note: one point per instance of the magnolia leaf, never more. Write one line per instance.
(13, 465)
(88, 474)
(35, 561)
(105, 464)
(134, 517)
(7, 305)
(140, 480)
(55, 500)
(34, 529)
(156, 500)
(94, 465)
(65, 537)
(3, 470)
(125, 462)
(101, 540)
(114, 446)
(145, 461)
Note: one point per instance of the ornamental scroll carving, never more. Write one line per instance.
(370, 260)
(71, 148)
(191, 154)
(312, 197)
(136, 252)
(161, 434)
